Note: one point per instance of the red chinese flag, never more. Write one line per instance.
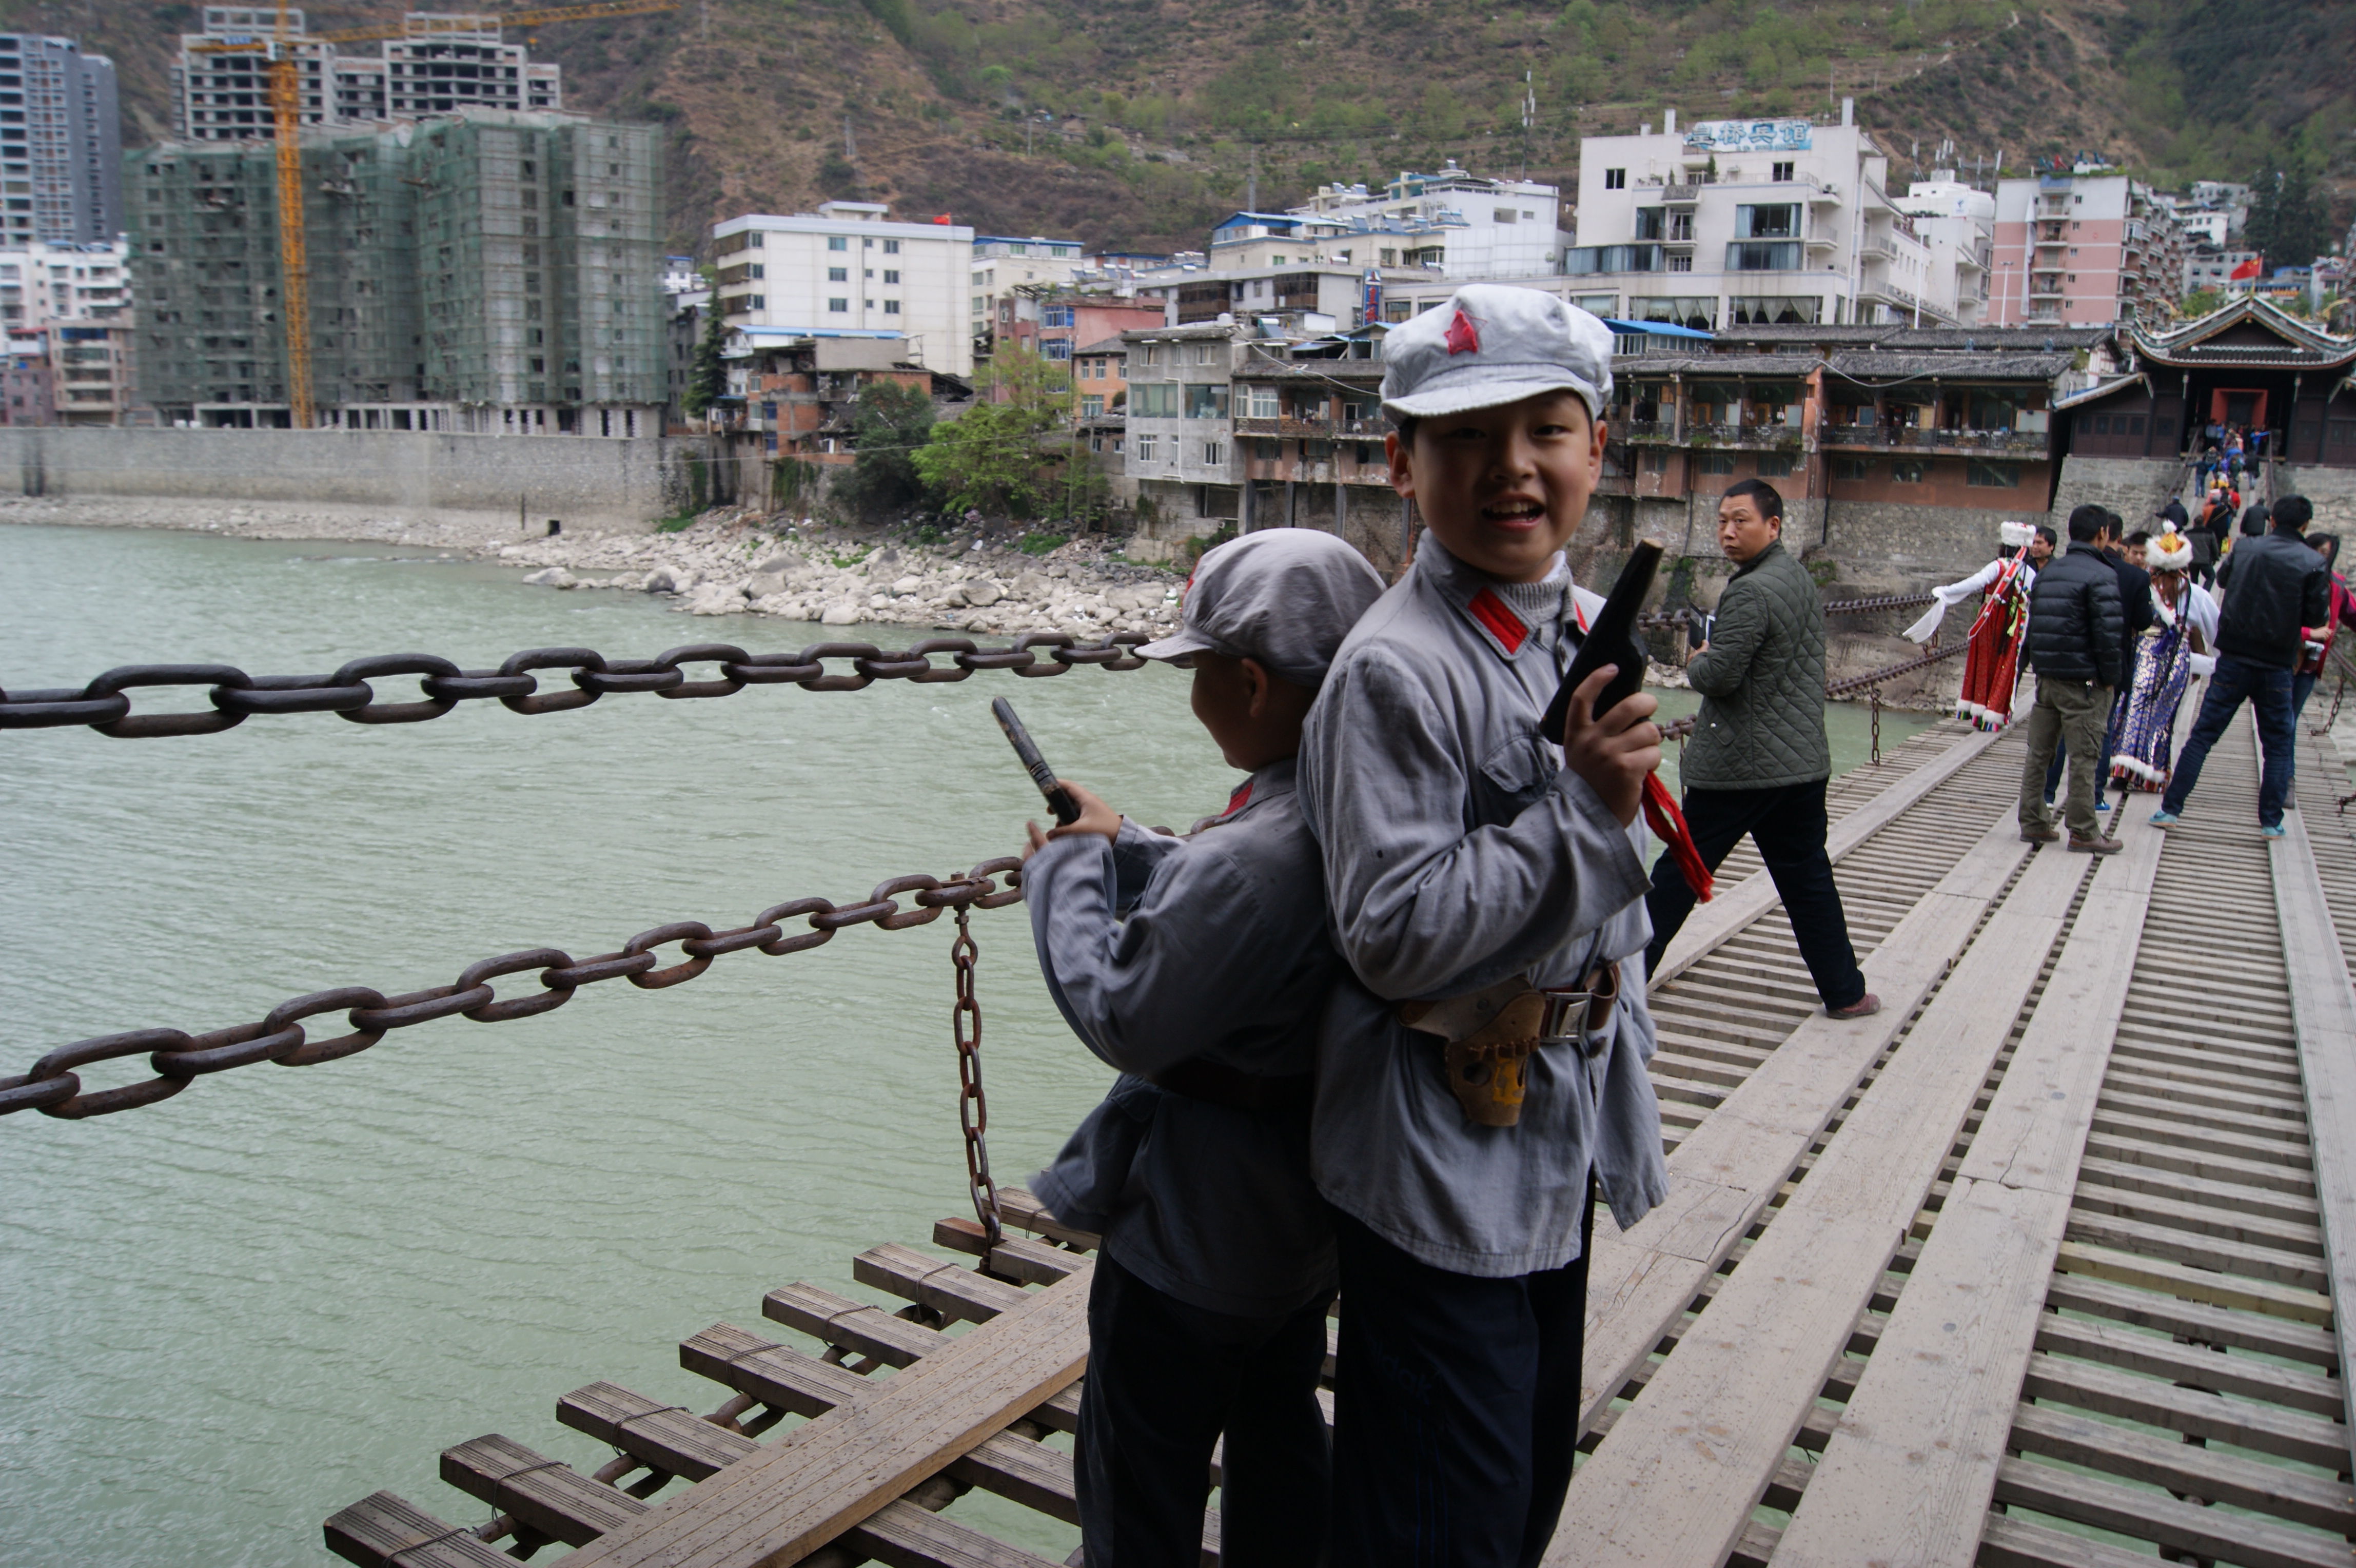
(944, 217)
(2248, 269)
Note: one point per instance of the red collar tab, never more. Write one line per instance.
(1239, 800)
(1497, 618)
(1464, 337)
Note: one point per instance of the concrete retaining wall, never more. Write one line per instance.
(484, 481)
(2133, 487)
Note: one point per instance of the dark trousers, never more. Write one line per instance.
(1456, 1405)
(2238, 681)
(1788, 825)
(1164, 1381)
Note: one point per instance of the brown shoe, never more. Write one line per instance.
(2046, 834)
(1865, 1007)
(2095, 845)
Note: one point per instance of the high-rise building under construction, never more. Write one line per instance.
(487, 271)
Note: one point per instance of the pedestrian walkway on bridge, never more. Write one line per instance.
(2040, 1265)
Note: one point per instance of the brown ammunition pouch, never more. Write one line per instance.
(1215, 1083)
(1487, 1065)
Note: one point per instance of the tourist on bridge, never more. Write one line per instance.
(1992, 659)
(2179, 644)
(2075, 628)
(2320, 638)
(2136, 617)
(1759, 761)
(1482, 1073)
(1199, 966)
(2276, 587)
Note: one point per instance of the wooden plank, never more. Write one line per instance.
(2244, 1423)
(2195, 1285)
(383, 1525)
(1724, 1173)
(549, 1496)
(2020, 1543)
(1930, 1418)
(2150, 1514)
(2209, 1475)
(1736, 907)
(670, 1438)
(895, 1342)
(905, 1536)
(1677, 1477)
(948, 1289)
(837, 1470)
(2324, 1009)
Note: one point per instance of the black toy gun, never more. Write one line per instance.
(1610, 640)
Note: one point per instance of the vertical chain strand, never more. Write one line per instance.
(1876, 727)
(973, 1109)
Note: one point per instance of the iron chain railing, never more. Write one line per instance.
(178, 1058)
(235, 696)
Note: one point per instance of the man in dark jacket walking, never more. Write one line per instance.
(2274, 587)
(2135, 618)
(2075, 633)
(1758, 761)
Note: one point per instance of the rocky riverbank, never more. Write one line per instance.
(971, 580)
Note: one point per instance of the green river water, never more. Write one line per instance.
(229, 1315)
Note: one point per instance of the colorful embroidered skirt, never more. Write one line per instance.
(1991, 666)
(2143, 720)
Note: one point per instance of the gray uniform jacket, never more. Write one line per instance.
(1459, 851)
(1160, 949)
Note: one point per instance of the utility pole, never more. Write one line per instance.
(850, 146)
(1251, 182)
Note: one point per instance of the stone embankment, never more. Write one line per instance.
(963, 581)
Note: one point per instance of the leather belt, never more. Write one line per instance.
(1215, 1083)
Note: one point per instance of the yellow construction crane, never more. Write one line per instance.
(286, 109)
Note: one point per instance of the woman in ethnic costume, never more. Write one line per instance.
(2179, 644)
(1992, 660)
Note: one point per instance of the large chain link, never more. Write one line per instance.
(178, 1058)
(973, 1107)
(235, 696)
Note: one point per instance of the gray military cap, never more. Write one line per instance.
(1285, 596)
(1491, 344)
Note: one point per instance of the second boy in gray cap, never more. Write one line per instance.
(1482, 1070)
(1199, 966)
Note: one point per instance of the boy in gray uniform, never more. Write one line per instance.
(1483, 1069)
(1199, 966)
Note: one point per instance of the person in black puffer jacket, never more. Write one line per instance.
(2076, 628)
(2274, 587)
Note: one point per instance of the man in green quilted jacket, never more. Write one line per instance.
(1758, 761)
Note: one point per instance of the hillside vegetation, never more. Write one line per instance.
(1134, 124)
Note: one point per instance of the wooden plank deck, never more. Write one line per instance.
(2038, 1266)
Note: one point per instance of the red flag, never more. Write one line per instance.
(2248, 269)
(1461, 336)
(942, 218)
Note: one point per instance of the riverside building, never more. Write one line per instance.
(486, 272)
(850, 270)
(2084, 250)
(60, 144)
(67, 310)
(1732, 224)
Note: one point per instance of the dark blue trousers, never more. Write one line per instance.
(1165, 1378)
(1456, 1407)
(2238, 681)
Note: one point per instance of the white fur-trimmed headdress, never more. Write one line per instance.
(2016, 535)
(2171, 551)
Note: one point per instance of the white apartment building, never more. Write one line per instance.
(442, 63)
(850, 270)
(1958, 222)
(1179, 444)
(1740, 222)
(1464, 225)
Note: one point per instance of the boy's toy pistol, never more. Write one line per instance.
(1612, 639)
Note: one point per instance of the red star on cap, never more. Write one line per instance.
(1462, 339)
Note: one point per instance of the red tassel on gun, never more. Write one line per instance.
(1661, 812)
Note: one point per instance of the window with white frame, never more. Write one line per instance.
(1215, 453)
(1145, 448)
(837, 305)
(1264, 403)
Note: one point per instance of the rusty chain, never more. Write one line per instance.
(235, 696)
(1875, 677)
(973, 1109)
(178, 1058)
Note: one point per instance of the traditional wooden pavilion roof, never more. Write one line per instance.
(2248, 333)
